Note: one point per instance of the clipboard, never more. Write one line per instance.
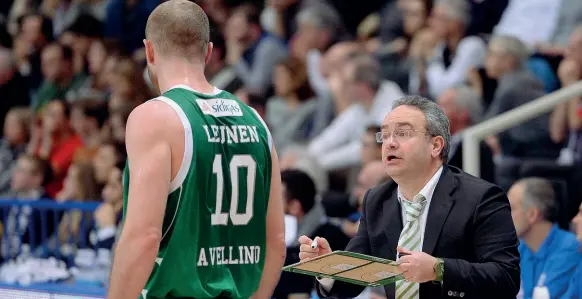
(350, 267)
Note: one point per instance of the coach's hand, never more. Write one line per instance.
(417, 266)
(306, 252)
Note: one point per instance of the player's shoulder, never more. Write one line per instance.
(155, 115)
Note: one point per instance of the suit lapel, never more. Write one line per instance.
(394, 224)
(440, 206)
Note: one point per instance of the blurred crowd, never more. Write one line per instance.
(322, 74)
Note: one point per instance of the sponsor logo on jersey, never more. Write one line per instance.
(220, 107)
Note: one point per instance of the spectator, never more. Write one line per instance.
(24, 225)
(279, 17)
(13, 87)
(545, 249)
(565, 117)
(16, 135)
(108, 216)
(252, 52)
(117, 120)
(125, 20)
(85, 30)
(101, 58)
(108, 155)
(127, 83)
(516, 86)
(463, 107)
(34, 33)
(362, 99)
(79, 186)
(535, 26)
(290, 111)
(87, 120)
(371, 148)
(317, 29)
(56, 142)
(455, 53)
(59, 78)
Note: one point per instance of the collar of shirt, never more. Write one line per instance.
(427, 191)
(545, 247)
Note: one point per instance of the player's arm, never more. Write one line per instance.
(149, 158)
(276, 248)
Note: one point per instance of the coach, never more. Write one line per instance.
(456, 229)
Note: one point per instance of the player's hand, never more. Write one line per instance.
(306, 252)
(417, 266)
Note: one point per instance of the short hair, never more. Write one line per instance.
(93, 109)
(179, 27)
(457, 9)
(40, 166)
(299, 186)
(66, 51)
(468, 99)
(437, 123)
(251, 12)
(512, 46)
(366, 70)
(322, 16)
(539, 193)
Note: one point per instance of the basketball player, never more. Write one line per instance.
(203, 216)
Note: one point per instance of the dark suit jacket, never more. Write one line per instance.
(485, 160)
(469, 226)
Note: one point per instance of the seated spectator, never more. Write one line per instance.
(117, 122)
(532, 21)
(127, 82)
(87, 120)
(13, 87)
(575, 287)
(455, 53)
(252, 52)
(24, 225)
(108, 155)
(516, 86)
(96, 86)
(56, 142)
(85, 30)
(371, 175)
(289, 112)
(545, 249)
(362, 98)
(318, 28)
(463, 107)
(299, 196)
(565, 121)
(59, 78)
(569, 16)
(73, 229)
(16, 134)
(371, 149)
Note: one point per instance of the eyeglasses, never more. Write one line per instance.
(400, 135)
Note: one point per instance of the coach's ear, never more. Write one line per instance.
(149, 51)
(208, 53)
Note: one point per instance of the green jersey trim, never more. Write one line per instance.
(188, 144)
(215, 92)
(266, 128)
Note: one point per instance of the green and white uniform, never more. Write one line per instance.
(214, 227)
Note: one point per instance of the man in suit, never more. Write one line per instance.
(463, 107)
(455, 230)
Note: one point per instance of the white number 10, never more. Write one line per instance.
(220, 218)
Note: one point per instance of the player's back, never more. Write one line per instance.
(214, 228)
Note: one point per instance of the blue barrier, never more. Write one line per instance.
(45, 228)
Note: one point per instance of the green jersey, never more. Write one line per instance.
(213, 242)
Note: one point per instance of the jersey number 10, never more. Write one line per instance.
(220, 218)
